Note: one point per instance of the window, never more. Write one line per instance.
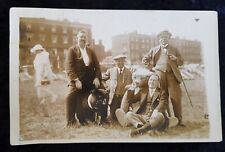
(54, 29)
(65, 39)
(54, 39)
(42, 37)
(28, 26)
(29, 36)
(64, 30)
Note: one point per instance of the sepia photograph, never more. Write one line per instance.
(81, 76)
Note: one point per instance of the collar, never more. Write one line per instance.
(118, 69)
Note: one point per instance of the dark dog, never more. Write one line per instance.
(94, 107)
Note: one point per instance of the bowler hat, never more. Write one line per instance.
(164, 34)
(36, 47)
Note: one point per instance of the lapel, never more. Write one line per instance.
(155, 95)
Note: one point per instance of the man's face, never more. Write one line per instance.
(140, 81)
(120, 63)
(163, 40)
(81, 39)
(153, 82)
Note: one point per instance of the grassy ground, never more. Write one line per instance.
(33, 125)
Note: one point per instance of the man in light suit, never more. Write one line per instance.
(119, 77)
(83, 70)
(164, 60)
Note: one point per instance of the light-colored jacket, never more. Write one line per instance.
(111, 76)
(42, 68)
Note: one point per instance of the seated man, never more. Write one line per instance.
(151, 114)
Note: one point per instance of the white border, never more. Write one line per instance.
(211, 60)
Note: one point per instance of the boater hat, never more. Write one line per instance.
(120, 56)
(36, 47)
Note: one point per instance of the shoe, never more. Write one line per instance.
(140, 131)
(135, 132)
(173, 121)
(121, 117)
(139, 125)
(180, 124)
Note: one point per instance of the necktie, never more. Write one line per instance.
(121, 71)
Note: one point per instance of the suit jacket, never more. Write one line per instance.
(111, 75)
(154, 54)
(75, 66)
(158, 101)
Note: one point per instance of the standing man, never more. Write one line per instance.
(164, 60)
(119, 77)
(84, 74)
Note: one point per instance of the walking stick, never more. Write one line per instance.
(185, 88)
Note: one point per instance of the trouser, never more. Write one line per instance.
(158, 122)
(116, 102)
(172, 88)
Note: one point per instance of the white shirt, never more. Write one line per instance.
(85, 56)
(120, 71)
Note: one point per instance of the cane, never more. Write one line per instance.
(185, 88)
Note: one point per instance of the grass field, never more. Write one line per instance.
(33, 125)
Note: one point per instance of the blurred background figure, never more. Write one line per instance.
(43, 77)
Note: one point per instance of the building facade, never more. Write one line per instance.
(54, 35)
(135, 45)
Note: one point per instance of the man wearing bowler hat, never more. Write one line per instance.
(119, 77)
(164, 59)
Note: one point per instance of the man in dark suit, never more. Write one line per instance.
(84, 74)
(164, 60)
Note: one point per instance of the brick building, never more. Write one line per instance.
(135, 45)
(56, 36)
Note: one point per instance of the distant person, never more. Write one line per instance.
(43, 76)
(83, 70)
(164, 60)
(119, 77)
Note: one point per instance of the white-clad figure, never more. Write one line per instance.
(43, 75)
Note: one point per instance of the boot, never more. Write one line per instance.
(140, 131)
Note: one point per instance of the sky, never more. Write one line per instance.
(108, 23)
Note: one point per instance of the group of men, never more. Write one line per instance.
(142, 103)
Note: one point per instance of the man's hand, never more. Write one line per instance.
(145, 60)
(78, 84)
(172, 57)
(96, 82)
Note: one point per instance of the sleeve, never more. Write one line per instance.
(179, 60)
(69, 65)
(47, 68)
(97, 66)
(148, 59)
(163, 102)
(106, 75)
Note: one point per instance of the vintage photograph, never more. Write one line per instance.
(113, 76)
